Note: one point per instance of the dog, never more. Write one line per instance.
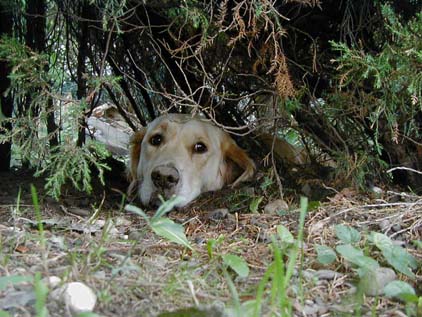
(177, 154)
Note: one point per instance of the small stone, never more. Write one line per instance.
(136, 235)
(101, 275)
(52, 281)
(396, 227)
(79, 297)
(218, 214)
(100, 223)
(385, 225)
(200, 241)
(376, 190)
(308, 274)
(276, 206)
(122, 221)
(327, 274)
(310, 310)
(374, 281)
(264, 236)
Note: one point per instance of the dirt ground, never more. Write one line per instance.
(134, 272)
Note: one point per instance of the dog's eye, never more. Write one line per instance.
(156, 140)
(200, 148)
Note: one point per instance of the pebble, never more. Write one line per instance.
(310, 310)
(396, 227)
(52, 281)
(385, 225)
(327, 274)
(218, 214)
(77, 296)
(264, 236)
(276, 206)
(376, 190)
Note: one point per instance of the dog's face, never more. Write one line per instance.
(184, 156)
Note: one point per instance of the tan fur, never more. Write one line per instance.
(233, 153)
(134, 153)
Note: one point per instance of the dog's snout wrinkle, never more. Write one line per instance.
(165, 177)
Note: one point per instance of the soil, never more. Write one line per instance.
(134, 272)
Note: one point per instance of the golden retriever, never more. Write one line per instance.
(177, 154)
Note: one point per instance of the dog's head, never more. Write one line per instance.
(184, 156)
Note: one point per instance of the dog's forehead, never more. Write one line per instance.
(182, 122)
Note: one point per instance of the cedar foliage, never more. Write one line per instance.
(344, 77)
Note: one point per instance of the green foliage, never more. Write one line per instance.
(72, 163)
(190, 13)
(162, 226)
(356, 256)
(33, 81)
(278, 272)
(380, 96)
(212, 244)
(237, 264)
(347, 234)
(41, 293)
(398, 289)
(396, 256)
(325, 255)
(254, 205)
(393, 75)
(38, 216)
(6, 281)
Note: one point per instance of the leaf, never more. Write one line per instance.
(41, 293)
(417, 243)
(396, 256)
(284, 234)
(253, 207)
(237, 264)
(170, 230)
(347, 234)
(210, 247)
(401, 290)
(167, 206)
(381, 241)
(325, 255)
(401, 260)
(4, 313)
(5, 281)
(356, 257)
(137, 211)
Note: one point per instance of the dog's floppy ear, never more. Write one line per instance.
(134, 156)
(236, 158)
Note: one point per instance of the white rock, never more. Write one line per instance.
(79, 297)
(276, 206)
(376, 190)
(52, 281)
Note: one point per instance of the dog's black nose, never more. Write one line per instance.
(165, 177)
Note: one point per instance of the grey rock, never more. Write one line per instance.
(218, 214)
(385, 225)
(327, 274)
(374, 281)
(276, 206)
(17, 299)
